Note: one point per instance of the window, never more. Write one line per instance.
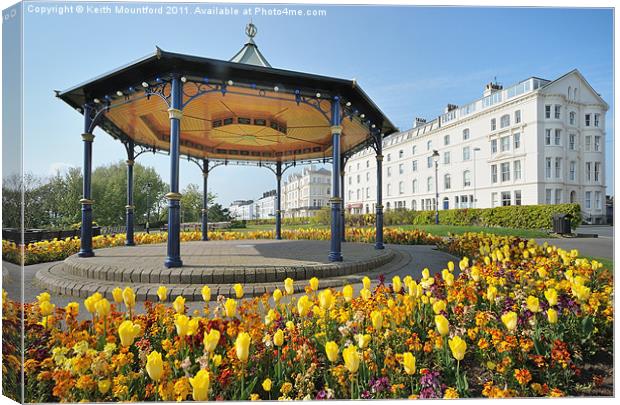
(368, 163)
(493, 199)
(517, 140)
(547, 196)
(504, 143)
(350, 179)
(557, 139)
(588, 116)
(493, 173)
(429, 184)
(389, 157)
(504, 121)
(493, 124)
(446, 140)
(517, 197)
(401, 187)
(505, 171)
(401, 168)
(571, 118)
(493, 146)
(548, 168)
(597, 119)
(588, 171)
(389, 190)
(401, 153)
(505, 198)
(517, 169)
(466, 154)
(367, 192)
(597, 200)
(414, 186)
(358, 194)
(414, 206)
(556, 111)
(414, 165)
(597, 143)
(358, 165)
(413, 150)
(447, 183)
(367, 176)
(558, 168)
(429, 145)
(558, 196)
(429, 162)
(446, 203)
(446, 158)
(572, 168)
(547, 136)
(389, 172)
(517, 116)
(465, 134)
(466, 178)
(597, 171)
(588, 199)
(358, 179)
(588, 143)
(571, 141)
(548, 111)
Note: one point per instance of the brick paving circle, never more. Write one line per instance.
(260, 265)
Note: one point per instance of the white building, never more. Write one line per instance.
(242, 210)
(536, 142)
(265, 207)
(306, 192)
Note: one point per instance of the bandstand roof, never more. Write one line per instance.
(242, 109)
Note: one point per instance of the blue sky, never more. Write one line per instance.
(411, 60)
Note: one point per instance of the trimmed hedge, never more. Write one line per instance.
(514, 216)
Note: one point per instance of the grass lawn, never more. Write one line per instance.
(439, 230)
(607, 263)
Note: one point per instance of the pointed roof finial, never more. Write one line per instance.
(251, 30)
(250, 54)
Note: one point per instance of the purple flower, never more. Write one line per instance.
(365, 395)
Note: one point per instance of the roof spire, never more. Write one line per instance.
(250, 54)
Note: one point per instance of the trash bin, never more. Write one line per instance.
(561, 223)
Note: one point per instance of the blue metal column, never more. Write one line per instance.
(205, 200)
(342, 217)
(129, 208)
(86, 232)
(278, 200)
(335, 253)
(174, 208)
(379, 215)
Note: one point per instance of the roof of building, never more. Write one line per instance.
(250, 54)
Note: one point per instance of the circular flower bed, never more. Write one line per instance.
(518, 319)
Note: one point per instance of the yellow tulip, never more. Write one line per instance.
(366, 282)
(127, 331)
(270, 317)
(365, 293)
(230, 307)
(581, 292)
(439, 306)
(288, 286)
(117, 295)
(266, 385)
(552, 296)
(533, 304)
(314, 284)
(458, 347)
(426, 273)
(46, 308)
(179, 305)
(238, 290)
(104, 386)
(443, 326)
(278, 338)
(102, 307)
(326, 299)
(347, 292)
(181, 322)
(290, 325)
(331, 349)
(162, 293)
(377, 319)
(206, 293)
(242, 346)
(363, 340)
(397, 285)
(129, 297)
(277, 295)
(90, 302)
(351, 359)
(192, 326)
(509, 319)
(200, 384)
(44, 296)
(475, 273)
(552, 315)
(303, 305)
(409, 363)
(451, 265)
(154, 365)
(217, 360)
(491, 293)
(211, 340)
(449, 279)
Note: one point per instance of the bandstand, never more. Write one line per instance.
(216, 112)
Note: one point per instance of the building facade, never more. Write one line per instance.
(242, 210)
(306, 192)
(536, 142)
(265, 207)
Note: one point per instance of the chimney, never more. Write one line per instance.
(450, 107)
(491, 88)
(418, 122)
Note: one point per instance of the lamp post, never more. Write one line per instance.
(475, 196)
(436, 159)
(148, 206)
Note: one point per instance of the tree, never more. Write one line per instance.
(191, 204)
